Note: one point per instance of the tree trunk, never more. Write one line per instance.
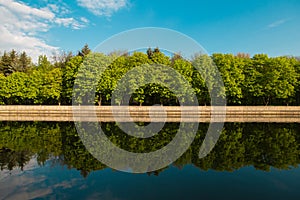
(100, 101)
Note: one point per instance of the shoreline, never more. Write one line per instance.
(278, 114)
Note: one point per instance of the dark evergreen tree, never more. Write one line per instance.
(24, 62)
(149, 53)
(6, 64)
(84, 51)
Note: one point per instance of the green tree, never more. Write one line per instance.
(16, 88)
(69, 73)
(2, 89)
(6, 64)
(275, 78)
(110, 77)
(231, 70)
(24, 62)
(61, 59)
(12, 62)
(84, 51)
(43, 63)
(204, 79)
(149, 53)
(85, 83)
(160, 58)
(296, 63)
(47, 85)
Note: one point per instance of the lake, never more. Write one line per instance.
(47, 160)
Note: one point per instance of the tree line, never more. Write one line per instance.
(257, 80)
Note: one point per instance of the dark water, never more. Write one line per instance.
(250, 161)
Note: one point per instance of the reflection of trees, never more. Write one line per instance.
(75, 154)
(227, 155)
(10, 159)
(259, 145)
(139, 145)
(42, 139)
(59, 142)
(272, 145)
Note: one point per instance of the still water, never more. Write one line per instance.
(42, 160)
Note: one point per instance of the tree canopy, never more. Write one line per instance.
(257, 80)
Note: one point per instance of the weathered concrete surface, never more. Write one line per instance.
(284, 114)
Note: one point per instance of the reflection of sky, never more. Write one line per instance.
(32, 182)
(48, 181)
(32, 164)
(58, 182)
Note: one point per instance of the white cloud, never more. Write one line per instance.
(21, 42)
(103, 7)
(23, 9)
(85, 20)
(277, 23)
(20, 25)
(71, 22)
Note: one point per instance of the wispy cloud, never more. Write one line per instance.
(103, 7)
(31, 185)
(20, 25)
(277, 23)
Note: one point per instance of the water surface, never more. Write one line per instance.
(250, 161)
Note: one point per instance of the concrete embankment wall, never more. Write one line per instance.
(284, 114)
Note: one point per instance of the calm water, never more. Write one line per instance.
(250, 161)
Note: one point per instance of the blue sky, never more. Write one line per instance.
(232, 26)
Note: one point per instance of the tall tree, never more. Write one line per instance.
(48, 86)
(231, 69)
(69, 73)
(149, 53)
(44, 64)
(296, 63)
(275, 79)
(7, 63)
(16, 88)
(84, 51)
(159, 58)
(60, 59)
(204, 79)
(24, 62)
(2, 89)
(85, 82)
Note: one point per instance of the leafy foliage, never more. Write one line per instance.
(259, 80)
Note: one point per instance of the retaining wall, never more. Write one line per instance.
(288, 114)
